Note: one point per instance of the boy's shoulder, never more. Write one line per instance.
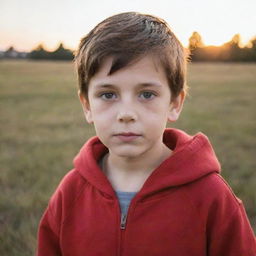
(67, 192)
(71, 182)
(212, 192)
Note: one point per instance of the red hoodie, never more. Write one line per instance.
(184, 208)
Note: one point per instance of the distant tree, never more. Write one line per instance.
(251, 50)
(252, 43)
(61, 53)
(39, 53)
(195, 41)
(196, 47)
(10, 49)
(235, 49)
(231, 51)
(11, 53)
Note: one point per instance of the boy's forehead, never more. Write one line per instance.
(140, 61)
(143, 70)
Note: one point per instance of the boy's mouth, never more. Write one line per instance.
(127, 136)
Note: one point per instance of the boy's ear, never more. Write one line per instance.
(86, 107)
(176, 107)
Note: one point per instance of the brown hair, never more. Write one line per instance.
(127, 37)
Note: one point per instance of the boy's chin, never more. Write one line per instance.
(127, 152)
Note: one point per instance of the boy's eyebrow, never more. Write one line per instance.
(146, 84)
(150, 84)
(104, 85)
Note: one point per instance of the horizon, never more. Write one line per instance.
(27, 24)
(247, 44)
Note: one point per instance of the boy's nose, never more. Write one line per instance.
(126, 115)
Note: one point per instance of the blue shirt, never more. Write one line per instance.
(124, 200)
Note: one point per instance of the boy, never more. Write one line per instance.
(137, 188)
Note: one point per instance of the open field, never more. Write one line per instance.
(42, 129)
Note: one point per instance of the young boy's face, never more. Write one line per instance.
(130, 108)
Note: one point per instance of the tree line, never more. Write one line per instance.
(59, 54)
(230, 51)
(39, 53)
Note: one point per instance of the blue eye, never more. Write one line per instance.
(108, 96)
(147, 95)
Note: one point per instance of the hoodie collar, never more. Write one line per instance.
(192, 159)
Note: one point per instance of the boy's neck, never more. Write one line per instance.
(129, 174)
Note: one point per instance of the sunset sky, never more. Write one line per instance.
(25, 24)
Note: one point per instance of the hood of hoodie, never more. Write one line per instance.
(192, 158)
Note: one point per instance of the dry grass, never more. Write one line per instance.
(42, 128)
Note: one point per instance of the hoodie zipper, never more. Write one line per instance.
(122, 226)
(123, 221)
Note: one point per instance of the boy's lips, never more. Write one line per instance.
(127, 136)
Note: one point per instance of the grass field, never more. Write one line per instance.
(42, 128)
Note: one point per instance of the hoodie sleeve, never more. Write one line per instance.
(50, 225)
(228, 229)
(48, 238)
